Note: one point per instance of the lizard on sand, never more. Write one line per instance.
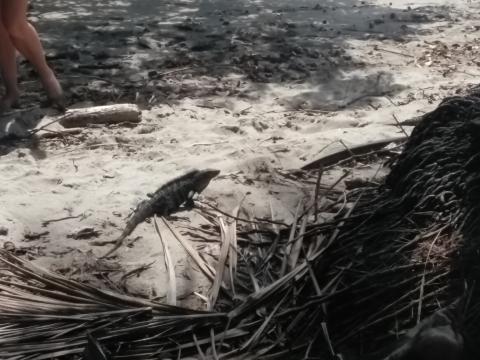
(165, 201)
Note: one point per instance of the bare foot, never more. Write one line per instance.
(54, 90)
(8, 101)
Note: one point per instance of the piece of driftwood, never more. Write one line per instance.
(338, 156)
(108, 114)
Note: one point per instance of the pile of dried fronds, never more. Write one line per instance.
(318, 288)
(411, 244)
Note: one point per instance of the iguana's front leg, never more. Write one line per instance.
(189, 204)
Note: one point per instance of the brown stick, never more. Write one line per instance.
(338, 156)
(400, 125)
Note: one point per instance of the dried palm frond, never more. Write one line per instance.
(172, 282)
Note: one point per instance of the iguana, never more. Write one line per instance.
(165, 201)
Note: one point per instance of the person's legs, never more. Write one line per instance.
(8, 66)
(26, 40)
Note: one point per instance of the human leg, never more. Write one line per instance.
(8, 67)
(25, 39)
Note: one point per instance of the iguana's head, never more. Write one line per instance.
(203, 177)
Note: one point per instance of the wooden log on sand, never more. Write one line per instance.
(108, 114)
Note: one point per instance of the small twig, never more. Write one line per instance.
(135, 271)
(94, 146)
(297, 110)
(346, 148)
(60, 118)
(390, 100)
(400, 125)
(93, 77)
(209, 144)
(393, 52)
(205, 106)
(174, 71)
(244, 110)
(317, 190)
(256, 221)
(47, 222)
